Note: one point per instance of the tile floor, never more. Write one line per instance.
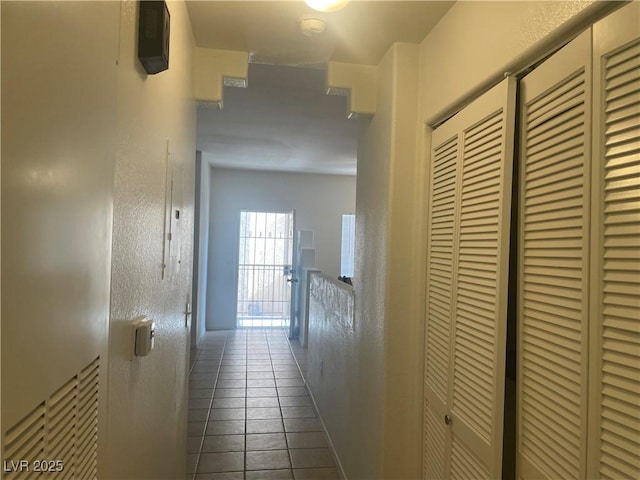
(250, 415)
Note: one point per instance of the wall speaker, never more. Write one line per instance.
(153, 36)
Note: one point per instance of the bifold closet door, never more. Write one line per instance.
(615, 289)
(579, 322)
(468, 256)
(554, 265)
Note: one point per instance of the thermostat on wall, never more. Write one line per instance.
(153, 36)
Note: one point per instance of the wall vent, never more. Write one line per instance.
(60, 436)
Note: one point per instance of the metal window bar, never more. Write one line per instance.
(264, 259)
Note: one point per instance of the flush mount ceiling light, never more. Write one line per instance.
(326, 5)
(311, 25)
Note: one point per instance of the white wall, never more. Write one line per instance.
(475, 43)
(404, 328)
(148, 395)
(318, 200)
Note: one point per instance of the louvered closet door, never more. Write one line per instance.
(554, 258)
(615, 376)
(468, 252)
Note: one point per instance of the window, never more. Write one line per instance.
(347, 254)
(265, 254)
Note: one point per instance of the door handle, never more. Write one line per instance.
(292, 280)
(187, 314)
(447, 419)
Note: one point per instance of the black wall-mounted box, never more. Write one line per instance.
(153, 36)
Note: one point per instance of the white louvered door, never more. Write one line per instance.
(553, 258)
(615, 320)
(579, 319)
(467, 255)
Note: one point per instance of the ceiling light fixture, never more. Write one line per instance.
(312, 25)
(326, 5)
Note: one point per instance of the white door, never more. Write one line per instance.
(468, 259)
(615, 288)
(554, 253)
(579, 320)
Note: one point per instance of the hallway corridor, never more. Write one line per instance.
(250, 415)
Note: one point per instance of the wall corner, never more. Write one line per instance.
(403, 322)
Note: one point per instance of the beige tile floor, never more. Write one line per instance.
(250, 415)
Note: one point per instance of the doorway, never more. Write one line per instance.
(264, 269)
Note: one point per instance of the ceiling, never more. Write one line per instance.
(283, 121)
(359, 33)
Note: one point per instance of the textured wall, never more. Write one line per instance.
(359, 439)
(331, 361)
(147, 395)
(380, 358)
(58, 151)
(319, 202)
(476, 42)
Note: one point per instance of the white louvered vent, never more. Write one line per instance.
(62, 429)
(440, 264)
(553, 256)
(61, 419)
(620, 410)
(25, 442)
(87, 426)
(473, 382)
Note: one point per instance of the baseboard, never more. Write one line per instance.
(332, 447)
